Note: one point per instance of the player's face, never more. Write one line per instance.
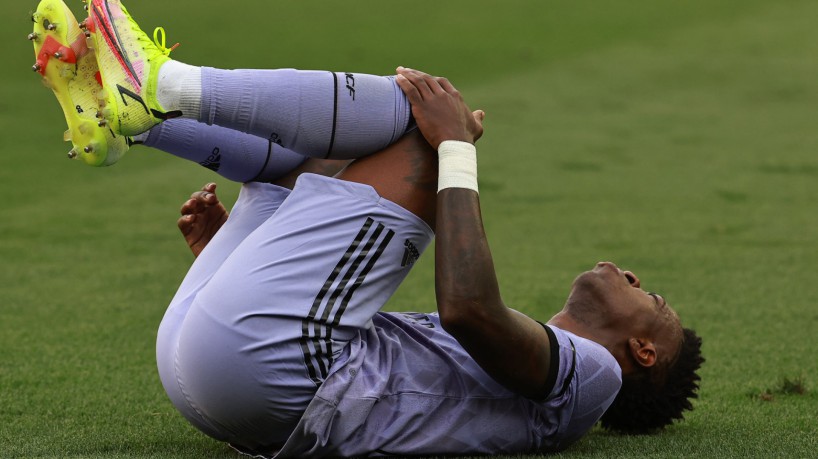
(617, 298)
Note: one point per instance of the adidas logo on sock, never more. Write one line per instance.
(214, 161)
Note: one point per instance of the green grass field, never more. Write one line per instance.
(678, 139)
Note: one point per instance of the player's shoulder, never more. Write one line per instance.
(582, 360)
(589, 380)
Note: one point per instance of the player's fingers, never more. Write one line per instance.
(185, 223)
(411, 77)
(411, 92)
(418, 81)
(199, 202)
(205, 197)
(479, 116)
(432, 82)
(447, 86)
(189, 207)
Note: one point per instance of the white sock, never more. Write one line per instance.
(141, 138)
(179, 87)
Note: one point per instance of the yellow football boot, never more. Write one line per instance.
(129, 64)
(69, 68)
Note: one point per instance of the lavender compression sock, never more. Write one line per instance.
(232, 154)
(315, 113)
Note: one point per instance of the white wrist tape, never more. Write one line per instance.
(457, 165)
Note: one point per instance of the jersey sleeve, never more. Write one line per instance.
(553, 361)
(588, 379)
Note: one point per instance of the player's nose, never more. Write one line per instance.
(633, 279)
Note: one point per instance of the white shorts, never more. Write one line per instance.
(273, 299)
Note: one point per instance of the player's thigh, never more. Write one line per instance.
(262, 335)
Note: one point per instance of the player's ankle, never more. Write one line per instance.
(179, 87)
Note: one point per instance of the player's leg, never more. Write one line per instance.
(263, 334)
(255, 204)
(232, 154)
(331, 115)
(205, 224)
(203, 214)
(404, 173)
(316, 113)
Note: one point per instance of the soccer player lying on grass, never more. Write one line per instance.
(275, 341)
(417, 390)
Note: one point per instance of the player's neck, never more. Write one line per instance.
(589, 329)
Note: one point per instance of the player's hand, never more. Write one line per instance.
(202, 216)
(439, 108)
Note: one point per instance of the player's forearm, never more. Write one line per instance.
(468, 296)
(503, 342)
(465, 281)
(507, 345)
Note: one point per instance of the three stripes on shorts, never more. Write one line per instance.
(335, 295)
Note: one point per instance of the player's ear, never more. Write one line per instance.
(643, 351)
